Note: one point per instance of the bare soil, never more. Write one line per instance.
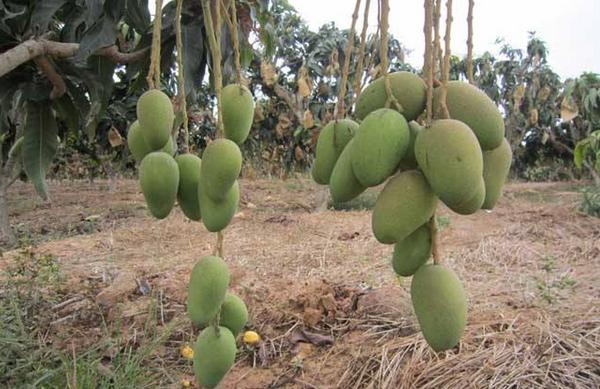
(320, 288)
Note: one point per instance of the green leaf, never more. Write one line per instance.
(137, 15)
(101, 34)
(42, 14)
(67, 112)
(194, 56)
(40, 142)
(597, 164)
(579, 152)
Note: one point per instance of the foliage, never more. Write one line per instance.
(590, 202)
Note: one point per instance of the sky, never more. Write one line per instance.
(569, 27)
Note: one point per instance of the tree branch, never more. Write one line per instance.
(59, 88)
(33, 48)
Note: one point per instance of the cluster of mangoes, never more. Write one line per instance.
(222, 315)
(462, 161)
(207, 190)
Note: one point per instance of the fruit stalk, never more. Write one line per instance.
(383, 53)
(180, 78)
(435, 248)
(446, 65)
(341, 112)
(214, 41)
(428, 59)
(233, 31)
(153, 77)
(361, 52)
(470, 42)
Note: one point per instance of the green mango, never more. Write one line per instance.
(440, 304)
(214, 355)
(221, 166)
(496, 166)
(159, 179)
(405, 203)
(234, 313)
(449, 155)
(238, 112)
(155, 115)
(343, 185)
(189, 179)
(412, 252)
(216, 215)
(332, 140)
(473, 107)
(408, 89)
(207, 289)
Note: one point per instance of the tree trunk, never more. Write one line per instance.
(6, 233)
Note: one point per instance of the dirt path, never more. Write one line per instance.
(531, 268)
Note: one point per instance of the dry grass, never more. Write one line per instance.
(531, 269)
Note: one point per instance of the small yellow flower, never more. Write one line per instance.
(186, 383)
(251, 338)
(187, 352)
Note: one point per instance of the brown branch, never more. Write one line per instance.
(347, 53)
(470, 42)
(58, 84)
(33, 48)
(288, 97)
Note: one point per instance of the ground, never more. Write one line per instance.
(319, 288)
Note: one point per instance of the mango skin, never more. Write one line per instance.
(234, 314)
(343, 185)
(473, 107)
(332, 140)
(238, 112)
(155, 116)
(473, 204)
(380, 143)
(159, 180)
(405, 203)
(189, 179)
(214, 355)
(496, 166)
(409, 161)
(138, 147)
(216, 215)
(408, 88)
(207, 288)
(440, 305)
(221, 166)
(412, 252)
(449, 155)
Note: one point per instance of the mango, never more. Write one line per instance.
(473, 204)
(440, 305)
(473, 107)
(412, 252)
(155, 116)
(159, 179)
(216, 215)
(450, 157)
(234, 313)
(496, 166)
(380, 143)
(189, 179)
(214, 355)
(207, 289)
(221, 166)
(238, 112)
(408, 88)
(343, 185)
(138, 147)
(331, 142)
(405, 203)
(409, 161)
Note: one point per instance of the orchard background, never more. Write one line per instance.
(93, 291)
